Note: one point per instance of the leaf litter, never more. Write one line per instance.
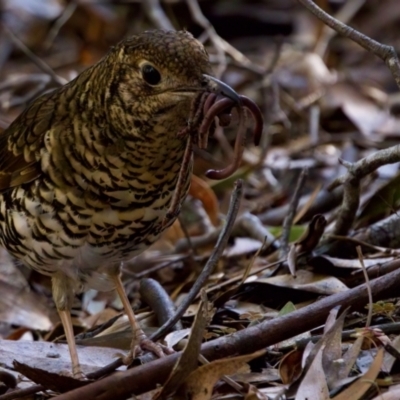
(319, 106)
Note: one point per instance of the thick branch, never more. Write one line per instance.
(145, 377)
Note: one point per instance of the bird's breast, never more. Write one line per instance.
(91, 207)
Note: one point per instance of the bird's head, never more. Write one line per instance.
(160, 72)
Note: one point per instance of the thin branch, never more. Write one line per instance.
(221, 45)
(288, 221)
(345, 14)
(210, 265)
(351, 184)
(384, 52)
(145, 377)
(367, 165)
(18, 393)
(60, 22)
(33, 57)
(156, 15)
(370, 299)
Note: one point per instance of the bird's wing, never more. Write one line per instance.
(21, 142)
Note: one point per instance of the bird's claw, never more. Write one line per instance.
(143, 343)
(76, 373)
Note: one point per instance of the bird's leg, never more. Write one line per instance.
(63, 294)
(140, 341)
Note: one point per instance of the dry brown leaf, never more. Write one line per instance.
(254, 393)
(267, 375)
(51, 380)
(365, 114)
(331, 319)
(290, 366)
(333, 348)
(347, 263)
(308, 281)
(53, 357)
(361, 385)
(349, 358)
(189, 358)
(311, 237)
(23, 307)
(314, 385)
(200, 189)
(199, 385)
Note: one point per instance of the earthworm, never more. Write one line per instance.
(221, 107)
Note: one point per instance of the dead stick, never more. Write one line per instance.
(210, 265)
(144, 378)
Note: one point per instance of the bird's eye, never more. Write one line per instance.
(150, 75)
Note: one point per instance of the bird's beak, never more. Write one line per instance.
(219, 87)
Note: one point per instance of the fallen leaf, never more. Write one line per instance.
(22, 307)
(313, 385)
(308, 281)
(361, 385)
(53, 357)
(199, 385)
(200, 189)
(189, 358)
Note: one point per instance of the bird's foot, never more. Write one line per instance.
(79, 375)
(76, 373)
(141, 343)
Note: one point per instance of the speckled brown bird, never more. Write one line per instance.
(88, 171)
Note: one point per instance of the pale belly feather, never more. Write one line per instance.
(86, 255)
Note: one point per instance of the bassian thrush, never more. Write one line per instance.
(88, 172)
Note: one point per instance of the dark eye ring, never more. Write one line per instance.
(150, 75)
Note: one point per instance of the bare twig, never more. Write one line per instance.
(145, 377)
(382, 233)
(33, 57)
(221, 45)
(351, 184)
(384, 52)
(351, 180)
(156, 15)
(349, 207)
(209, 267)
(389, 328)
(367, 165)
(199, 17)
(287, 223)
(19, 393)
(314, 124)
(370, 300)
(248, 224)
(345, 14)
(324, 202)
(60, 22)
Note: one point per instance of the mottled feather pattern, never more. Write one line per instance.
(87, 172)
